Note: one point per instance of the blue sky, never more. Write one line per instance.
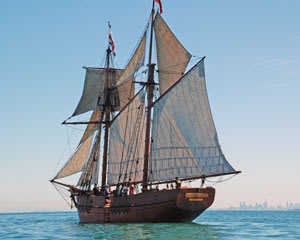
(252, 70)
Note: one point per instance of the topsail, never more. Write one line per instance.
(121, 84)
(93, 96)
(172, 57)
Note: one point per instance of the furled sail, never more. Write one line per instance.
(184, 138)
(127, 134)
(77, 161)
(90, 173)
(93, 96)
(172, 58)
(126, 81)
(96, 116)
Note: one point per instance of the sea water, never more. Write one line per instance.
(210, 225)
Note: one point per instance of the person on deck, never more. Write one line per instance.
(131, 188)
(119, 189)
(202, 182)
(137, 189)
(96, 191)
(125, 190)
(114, 192)
(107, 196)
(178, 183)
(88, 183)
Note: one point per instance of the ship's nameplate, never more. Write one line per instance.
(196, 195)
(195, 199)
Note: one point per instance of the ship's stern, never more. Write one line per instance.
(194, 201)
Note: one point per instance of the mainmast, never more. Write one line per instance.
(150, 89)
(107, 111)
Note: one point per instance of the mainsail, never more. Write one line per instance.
(172, 58)
(185, 142)
(127, 135)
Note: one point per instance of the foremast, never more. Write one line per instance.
(107, 111)
(150, 89)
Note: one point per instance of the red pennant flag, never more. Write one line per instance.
(111, 42)
(160, 6)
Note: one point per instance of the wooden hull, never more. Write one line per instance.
(178, 205)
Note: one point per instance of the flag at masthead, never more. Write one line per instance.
(160, 6)
(111, 41)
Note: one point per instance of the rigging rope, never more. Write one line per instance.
(134, 137)
(166, 71)
(63, 195)
(124, 137)
(220, 180)
(67, 146)
(137, 130)
(91, 164)
(138, 154)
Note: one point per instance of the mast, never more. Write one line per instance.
(107, 110)
(150, 89)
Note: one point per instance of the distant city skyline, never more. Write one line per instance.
(265, 206)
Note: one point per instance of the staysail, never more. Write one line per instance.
(77, 161)
(125, 83)
(185, 142)
(91, 169)
(127, 134)
(172, 57)
(96, 116)
(136, 61)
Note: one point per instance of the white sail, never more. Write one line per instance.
(172, 57)
(126, 91)
(93, 96)
(77, 161)
(94, 85)
(90, 173)
(136, 61)
(96, 116)
(126, 86)
(185, 142)
(121, 84)
(126, 142)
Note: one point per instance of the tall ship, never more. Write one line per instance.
(149, 146)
